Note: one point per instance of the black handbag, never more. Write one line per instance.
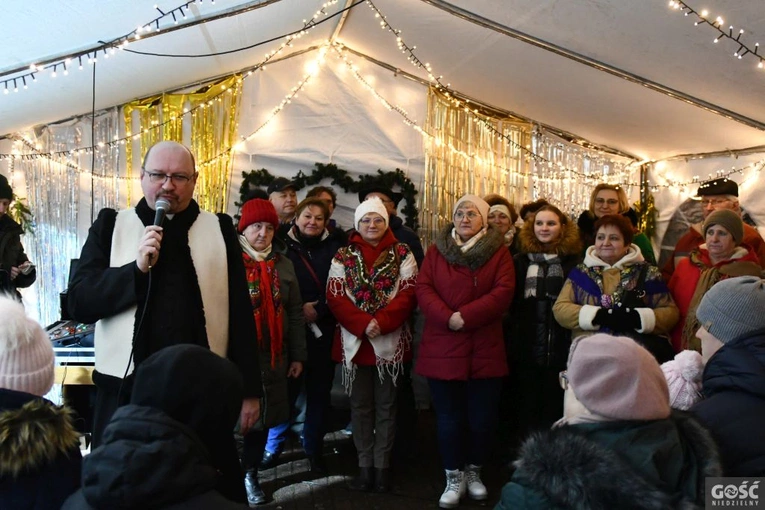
(658, 345)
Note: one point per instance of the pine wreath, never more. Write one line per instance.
(340, 178)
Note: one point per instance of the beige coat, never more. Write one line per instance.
(658, 319)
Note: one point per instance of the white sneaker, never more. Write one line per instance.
(455, 489)
(475, 488)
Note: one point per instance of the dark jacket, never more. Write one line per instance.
(275, 407)
(39, 453)
(734, 406)
(12, 255)
(174, 313)
(406, 235)
(148, 461)
(479, 284)
(536, 336)
(313, 282)
(659, 464)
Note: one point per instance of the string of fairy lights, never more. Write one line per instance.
(339, 49)
(703, 17)
(754, 168)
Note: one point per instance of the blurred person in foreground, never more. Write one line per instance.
(39, 448)
(618, 445)
(157, 450)
(732, 337)
(16, 271)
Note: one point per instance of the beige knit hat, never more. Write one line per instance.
(26, 353)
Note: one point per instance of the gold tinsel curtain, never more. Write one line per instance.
(211, 131)
(463, 156)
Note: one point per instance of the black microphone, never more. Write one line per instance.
(161, 206)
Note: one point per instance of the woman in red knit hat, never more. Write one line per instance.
(278, 312)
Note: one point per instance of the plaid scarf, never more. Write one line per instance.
(544, 276)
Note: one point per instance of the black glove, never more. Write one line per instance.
(625, 319)
(603, 318)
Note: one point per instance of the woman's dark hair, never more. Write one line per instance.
(564, 220)
(318, 190)
(495, 199)
(622, 224)
(532, 207)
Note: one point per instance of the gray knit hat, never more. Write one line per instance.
(733, 308)
(729, 220)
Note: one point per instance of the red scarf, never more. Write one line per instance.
(265, 297)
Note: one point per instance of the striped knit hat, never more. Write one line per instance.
(26, 353)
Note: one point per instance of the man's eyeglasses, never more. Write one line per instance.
(177, 179)
(563, 380)
(471, 215)
(714, 202)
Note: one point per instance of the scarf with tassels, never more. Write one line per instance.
(265, 297)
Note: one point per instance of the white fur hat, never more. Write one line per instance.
(371, 204)
(26, 353)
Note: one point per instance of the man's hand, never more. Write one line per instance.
(456, 322)
(296, 368)
(309, 312)
(250, 414)
(148, 248)
(373, 329)
(14, 272)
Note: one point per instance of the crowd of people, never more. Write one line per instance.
(554, 328)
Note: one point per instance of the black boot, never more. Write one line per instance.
(255, 495)
(364, 481)
(382, 480)
(269, 460)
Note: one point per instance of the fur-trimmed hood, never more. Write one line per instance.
(474, 258)
(604, 465)
(33, 433)
(569, 243)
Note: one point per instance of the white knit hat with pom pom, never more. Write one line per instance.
(684, 379)
(26, 353)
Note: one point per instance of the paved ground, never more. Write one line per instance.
(418, 479)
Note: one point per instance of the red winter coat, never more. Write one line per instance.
(390, 317)
(479, 284)
(686, 276)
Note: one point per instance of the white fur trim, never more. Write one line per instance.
(647, 320)
(113, 335)
(586, 316)
(633, 255)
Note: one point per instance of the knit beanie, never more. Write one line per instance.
(371, 204)
(729, 220)
(5, 189)
(258, 210)
(684, 379)
(617, 379)
(478, 202)
(733, 308)
(26, 353)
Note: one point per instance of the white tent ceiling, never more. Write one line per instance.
(473, 44)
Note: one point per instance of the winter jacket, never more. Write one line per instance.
(275, 407)
(733, 385)
(686, 276)
(12, 255)
(693, 239)
(148, 461)
(39, 453)
(343, 292)
(406, 235)
(536, 337)
(586, 224)
(582, 297)
(659, 464)
(313, 281)
(479, 284)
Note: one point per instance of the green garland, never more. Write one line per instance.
(341, 178)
